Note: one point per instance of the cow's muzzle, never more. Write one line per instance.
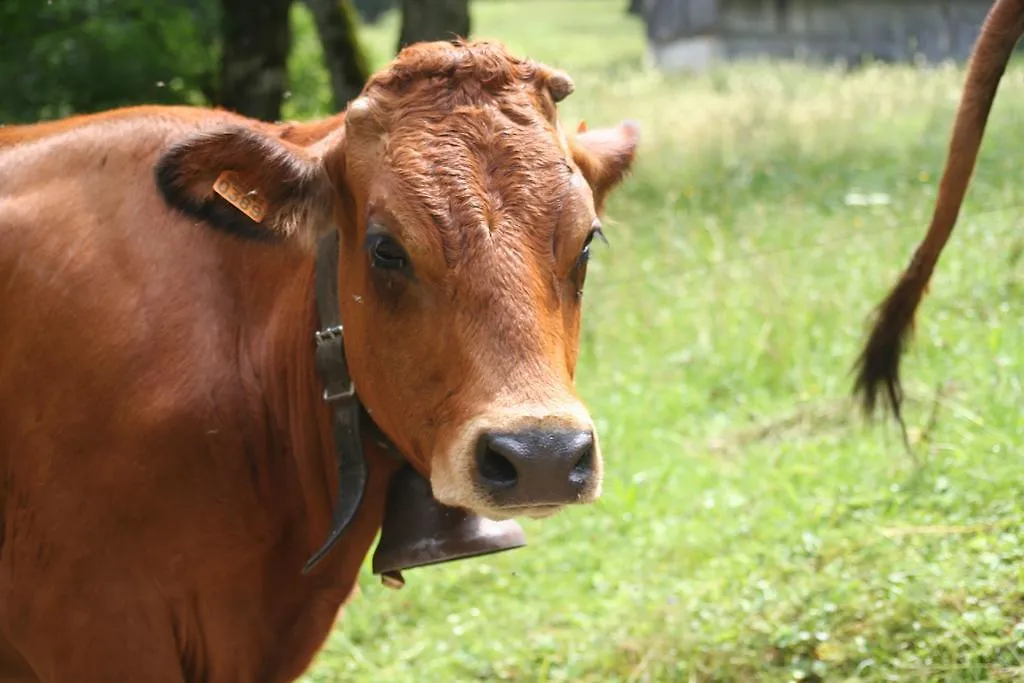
(536, 468)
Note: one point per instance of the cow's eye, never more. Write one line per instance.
(386, 253)
(584, 256)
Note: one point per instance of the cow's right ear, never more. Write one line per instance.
(605, 156)
(247, 183)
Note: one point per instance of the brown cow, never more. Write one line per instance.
(168, 460)
(879, 362)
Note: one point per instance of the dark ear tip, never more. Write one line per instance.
(560, 86)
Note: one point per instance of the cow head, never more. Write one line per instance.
(466, 218)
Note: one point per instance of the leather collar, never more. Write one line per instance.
(349, 419)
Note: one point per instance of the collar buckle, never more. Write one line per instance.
(330, 352)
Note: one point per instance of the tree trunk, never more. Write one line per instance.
(336, 23)
(635, 7)
(256, 39)
(433, 20)
(371, 10)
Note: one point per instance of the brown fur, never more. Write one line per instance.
(878, 366)
(166, 460)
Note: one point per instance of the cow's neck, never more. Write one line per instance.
(301, 420)
(349, 423)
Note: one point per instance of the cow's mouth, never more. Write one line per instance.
(419, 531)
(539, 511)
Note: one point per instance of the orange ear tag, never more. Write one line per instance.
(231, 189)
(582, 128)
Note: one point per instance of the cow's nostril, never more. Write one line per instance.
(495, 468)
(584, 467)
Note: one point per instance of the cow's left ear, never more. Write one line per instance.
(247, 183)
(605, 156)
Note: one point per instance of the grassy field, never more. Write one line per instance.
(753, 527)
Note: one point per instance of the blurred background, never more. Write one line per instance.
(752, 527)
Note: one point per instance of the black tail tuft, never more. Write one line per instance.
(878, 366)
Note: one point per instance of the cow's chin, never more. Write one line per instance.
(499, 514)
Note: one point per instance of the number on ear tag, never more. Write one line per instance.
(248, 202)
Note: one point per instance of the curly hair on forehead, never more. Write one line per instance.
(469, 131)
(465, 70)
(486, 62)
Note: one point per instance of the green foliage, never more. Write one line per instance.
(309, 85)
(59, 57)
(752, 527)
(62, 58)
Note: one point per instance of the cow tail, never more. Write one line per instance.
(878, 366)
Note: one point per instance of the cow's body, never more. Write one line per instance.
(128, 334)
(167, 459)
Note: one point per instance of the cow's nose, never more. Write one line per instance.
(537, 467)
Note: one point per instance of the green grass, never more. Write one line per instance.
(752, 526)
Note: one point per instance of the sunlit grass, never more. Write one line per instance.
(752, 527)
